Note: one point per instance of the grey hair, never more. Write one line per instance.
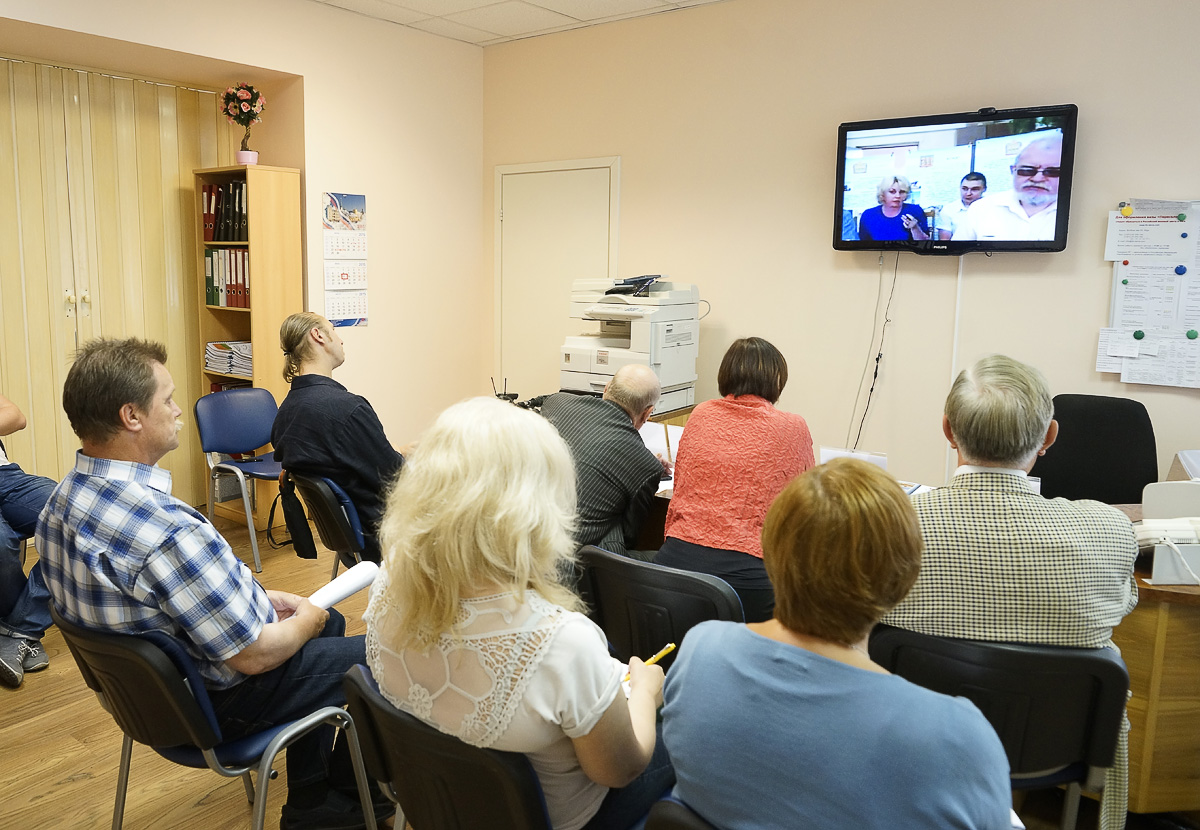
(999, 411)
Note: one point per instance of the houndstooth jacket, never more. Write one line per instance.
(1003, 563)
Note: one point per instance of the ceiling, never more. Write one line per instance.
(487, 22)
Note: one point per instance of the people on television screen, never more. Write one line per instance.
(1028, 212)
(893, 219)
(971, 189)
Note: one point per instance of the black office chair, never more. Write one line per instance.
(1105, 450)
(237, 422)
(1058, 711)
(437, 780)
(335, 516)
(672, 814)
(642, 606)
(154, 692)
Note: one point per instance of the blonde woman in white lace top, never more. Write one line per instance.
(469, 629)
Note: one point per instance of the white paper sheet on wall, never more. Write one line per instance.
(1153, 335)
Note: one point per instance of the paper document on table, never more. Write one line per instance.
(1160, 235)
(827, 454)
(661, 439)
(349, 583)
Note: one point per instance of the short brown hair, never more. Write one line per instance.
(293, 339)
(842, 545)
(106, 375)
(752, 366)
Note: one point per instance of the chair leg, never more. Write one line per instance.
(360, 777)
(259, 798)
(1070, 813)
(248, 783)
(337, 560)
(122, 783)
(241, 480)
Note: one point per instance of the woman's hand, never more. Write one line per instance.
(913, 226)
(646, 679)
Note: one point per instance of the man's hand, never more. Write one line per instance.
(285, 604)
(666, 465)
(299, 621)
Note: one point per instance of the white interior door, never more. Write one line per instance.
(555, 223)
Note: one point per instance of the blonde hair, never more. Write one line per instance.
(888, 181)
(293, 339)
(841, 545)
(486, 499)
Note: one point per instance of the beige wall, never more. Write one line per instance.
(725, 118)
(380, 109)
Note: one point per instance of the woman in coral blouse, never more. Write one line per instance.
(736, 455)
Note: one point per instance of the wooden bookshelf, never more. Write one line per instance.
(275, 277)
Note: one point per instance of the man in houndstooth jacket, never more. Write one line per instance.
(1001, 562)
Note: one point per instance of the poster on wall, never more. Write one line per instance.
(1153, 333)
(344, 228)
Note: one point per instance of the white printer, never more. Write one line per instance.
(658, 326)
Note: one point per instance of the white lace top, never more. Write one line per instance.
(519, 676)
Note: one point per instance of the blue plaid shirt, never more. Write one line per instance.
(120, 553)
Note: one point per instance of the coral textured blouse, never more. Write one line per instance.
(735, 456)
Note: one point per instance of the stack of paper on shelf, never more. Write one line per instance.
(229, 357)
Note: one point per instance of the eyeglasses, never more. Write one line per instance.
(1029, 172)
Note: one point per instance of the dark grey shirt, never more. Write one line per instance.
(616, 476)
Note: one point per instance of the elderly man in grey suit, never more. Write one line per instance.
(616, 476)
(1001, 562)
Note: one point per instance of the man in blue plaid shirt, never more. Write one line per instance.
(119, 553)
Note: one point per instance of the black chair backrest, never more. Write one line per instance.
(1051, 706)
(143, 688)
(441, 782)
(1105, 450)
(331, 510)
(642, 606)
(669, 814)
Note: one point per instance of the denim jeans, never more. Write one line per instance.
(309, 680)
(24, 603)
(626, 807)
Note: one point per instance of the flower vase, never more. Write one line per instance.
(246, 156)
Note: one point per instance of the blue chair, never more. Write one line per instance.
(238, 422)
(335, 516)
(154, 692)
(1058, 711)
(438, 780)
(672, 814)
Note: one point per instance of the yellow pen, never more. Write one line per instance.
(663, 652)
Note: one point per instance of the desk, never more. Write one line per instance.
(1160, 642)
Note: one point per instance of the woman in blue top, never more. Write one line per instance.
(789, 724)
(893, 219)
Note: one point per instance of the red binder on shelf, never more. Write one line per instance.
(206, 207)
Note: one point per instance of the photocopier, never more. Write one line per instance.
(641, 320)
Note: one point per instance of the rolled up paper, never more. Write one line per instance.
(350, 582)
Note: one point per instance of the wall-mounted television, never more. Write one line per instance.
(992, 180)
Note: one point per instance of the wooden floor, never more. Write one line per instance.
(59, 751)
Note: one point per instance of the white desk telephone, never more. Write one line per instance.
(1184, 531)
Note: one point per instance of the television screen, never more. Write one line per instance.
(992, 180)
